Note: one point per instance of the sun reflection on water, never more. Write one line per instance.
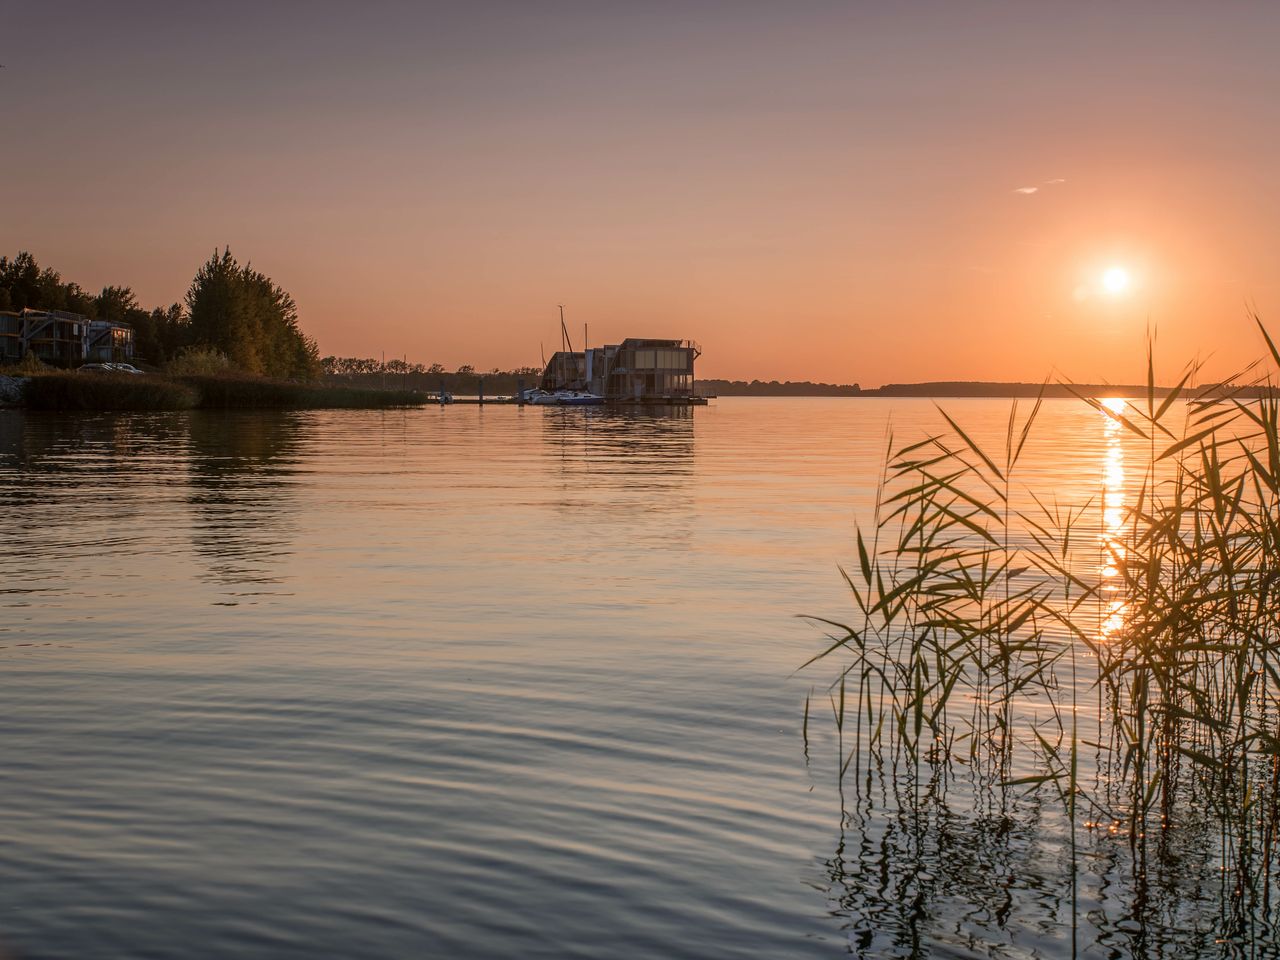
(1113, 514)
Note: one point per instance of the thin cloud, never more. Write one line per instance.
(1028, 191)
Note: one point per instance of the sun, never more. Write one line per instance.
(1115, 280)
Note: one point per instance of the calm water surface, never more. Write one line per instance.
(449, 682)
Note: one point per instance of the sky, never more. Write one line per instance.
(846, 192)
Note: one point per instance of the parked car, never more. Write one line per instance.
(109, 368)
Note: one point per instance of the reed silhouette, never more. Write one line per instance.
(1115, 664)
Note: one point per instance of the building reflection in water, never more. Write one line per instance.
(241, 495)
(609, 466)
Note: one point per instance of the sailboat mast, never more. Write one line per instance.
(564, 332)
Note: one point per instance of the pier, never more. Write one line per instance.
(514, 402)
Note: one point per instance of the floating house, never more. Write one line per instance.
(638, 370)
(62, 339)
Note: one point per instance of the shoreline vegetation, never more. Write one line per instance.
(234, 312)
(234, 342)
(78, 392)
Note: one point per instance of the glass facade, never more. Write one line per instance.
(680, 359)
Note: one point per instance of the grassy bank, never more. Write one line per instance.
(460, 384)
(219, 393)
(85, 392)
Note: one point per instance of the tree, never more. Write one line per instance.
(243, 313)
(27, 285)
(21, 277)
(114, 304)
(219, 312)
(172, 331)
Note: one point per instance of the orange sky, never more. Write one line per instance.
(813, 191)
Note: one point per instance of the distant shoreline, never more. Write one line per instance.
(953, 389)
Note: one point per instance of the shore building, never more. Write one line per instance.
(109, 342)
(638, 370)
(62, 339)
(10, 336)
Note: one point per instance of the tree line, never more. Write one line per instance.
(361, 366)
(772, 388)
(234, 310)
(428, 377)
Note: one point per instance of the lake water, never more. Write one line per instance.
(449, 682)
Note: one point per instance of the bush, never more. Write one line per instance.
(198, 362)
(29, 365)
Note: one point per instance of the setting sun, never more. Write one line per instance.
(1115, 280)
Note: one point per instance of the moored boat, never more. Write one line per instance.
(577, 398)
(563, 398)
